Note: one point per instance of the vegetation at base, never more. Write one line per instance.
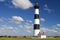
(27, 38)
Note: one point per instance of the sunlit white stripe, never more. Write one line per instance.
(36, 21)
(36, 11)
(36, 32)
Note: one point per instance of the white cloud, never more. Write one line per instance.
(5, 27)
(24, 4)
(42, 19)
(2, 0)
(1, 20)
(49, 32)
(54, 30)
(29, 31)
(28, 26)
(9, 30)
(16, 19)
(58, 25)
(46, 29)
(48, 9)
(30, 21)
(18, 30)
(21, 26)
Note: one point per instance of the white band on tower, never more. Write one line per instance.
(36, 32)
(36, 21)
(36, 11)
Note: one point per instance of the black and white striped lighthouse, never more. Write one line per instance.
(36, 19)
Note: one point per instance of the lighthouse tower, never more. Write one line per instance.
(37, 32)
(36, 20)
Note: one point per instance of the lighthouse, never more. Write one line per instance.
(36, 19)
(37, 32)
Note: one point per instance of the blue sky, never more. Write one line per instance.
(17, 17)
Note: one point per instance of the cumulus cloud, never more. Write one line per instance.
(29, 31)
(30, 21)
(49, 32)
(1, 20)
(46, 8)
(58, 25)
(5, 27)
(42, 19)
(16, 19)
(9, 30)
(21, 26)
(13, 19)
(2, 0)
(53, 30)
(28, 26)
(24, 4)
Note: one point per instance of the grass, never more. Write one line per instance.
(29, 39)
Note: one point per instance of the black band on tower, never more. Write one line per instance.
(36, 5)
(36, 26)
(36, 16)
